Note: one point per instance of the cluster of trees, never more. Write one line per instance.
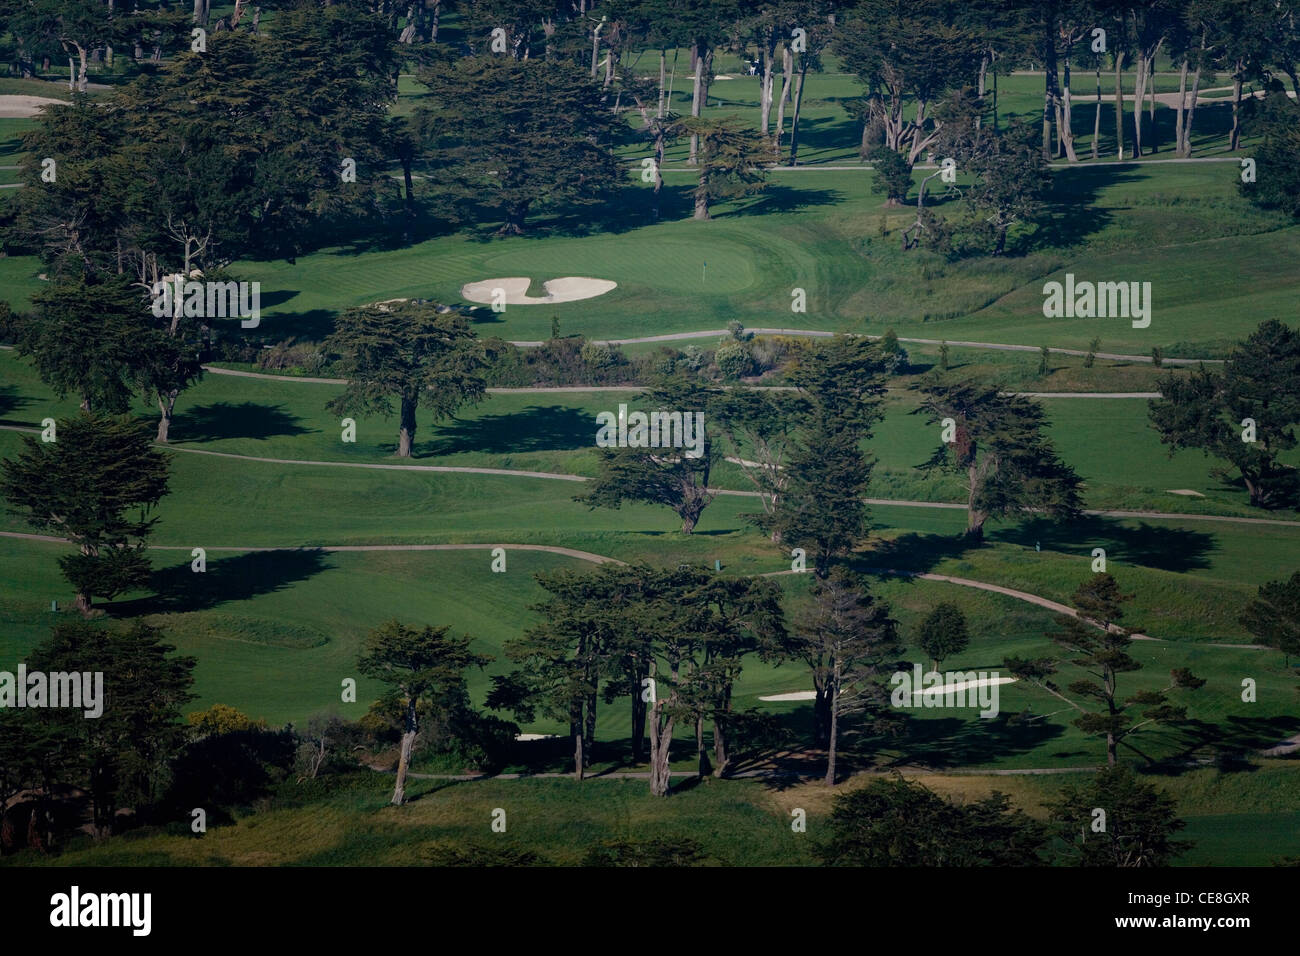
(1244, 414)
(673, 642)
(121, 758)
(239, 172)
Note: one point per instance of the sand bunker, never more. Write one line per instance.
(533, 736)
(940, 689)
(568, 289)
(1186, 491)
(14, 106)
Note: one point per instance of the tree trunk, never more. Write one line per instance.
(798, 104)
(1119, 106)
(701, 754)
(1049, 89)
(638, 725)
(1096, 118)
(980, 87)
(1191, 113)
(589, 727)
(404, 761)
(1234, 137)
(833, 742)
(975, 518)
(83, 603)
(1139, 91)
(1180, 108)
(663, 68)
(1151, 92)
(721, 758)
(166, 405)
(1065, 119)
(406, 431)
(787, 84)
(575, 731)
(661, 740)
(698, 88)
(822, 717)
(765, 88)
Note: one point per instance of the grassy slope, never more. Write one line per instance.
(1246, 818)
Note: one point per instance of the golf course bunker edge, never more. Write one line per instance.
(515, 289)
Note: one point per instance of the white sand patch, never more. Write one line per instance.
(533, 736)
(16, 106)
(1186, 491)
(567, 289)
(942, 688)
(963, 685)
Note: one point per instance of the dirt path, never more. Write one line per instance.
(602, 559)
(21, 106)
(818, 333)
(580, 389)
(558, 476)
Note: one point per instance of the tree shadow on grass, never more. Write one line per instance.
(778, 197)
(1162, 547)
(536, 428)
(1073, 189)
(11, 401)
(912, 551)
(1232, 735)
(205, 423)
(957, 741)
(178, 589)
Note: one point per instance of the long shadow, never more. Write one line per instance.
(313, 325)
(11, 400)
(1239, 734)
(1072, 190)
(778, 197)
(536, 428)
(204, 423)
(1165, 548)
(178, 589)
(912, 552)
(826, 132)
(956, 742)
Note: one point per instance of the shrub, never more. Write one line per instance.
(733, 360)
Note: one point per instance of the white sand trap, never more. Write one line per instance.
(14, 106)
(1186, 491)
(963, 685)
(568, 289)
(797, 695)
(942, 688)
(533, 736)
